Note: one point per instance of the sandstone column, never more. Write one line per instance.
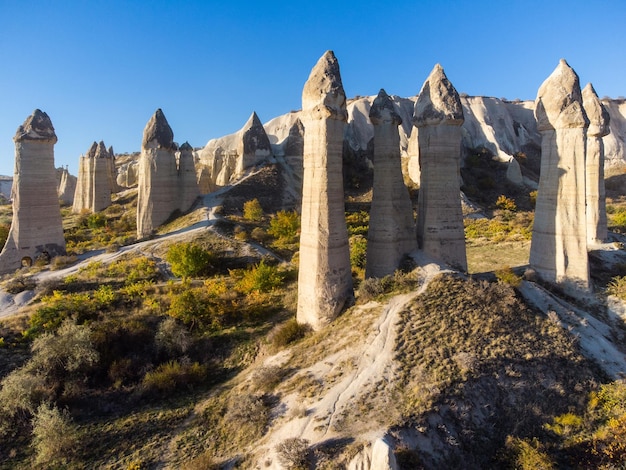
(67, 187)
(188, 182)
(596, 196)
(438, 117)
(325, 277)
(391, 232)
(558, 251)
(100, 179)
(36, 227)
(84, 191)
(157, 176)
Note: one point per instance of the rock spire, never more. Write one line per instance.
(94, 185)
(163, 187)
(558, 250)
(391, 232)
(36, 228)
(438, 117)
(596, 195)
(325, 277)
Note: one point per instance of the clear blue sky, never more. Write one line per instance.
(101, 68)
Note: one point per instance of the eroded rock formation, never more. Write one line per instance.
(558, 249)
(325, 278)
(225, 159)
(67, 187)
(163, 187)
(596, 196)
(391, 232)
(94, 185)
(438, 117)
(36, 228)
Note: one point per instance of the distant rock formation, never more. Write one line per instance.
(438, 117)
(95, 180)
(36, 228)
(391, 233)
(162, 187)
(596, 195)
(558, 250)
(325, 277)
(225, 159)
(67, 186)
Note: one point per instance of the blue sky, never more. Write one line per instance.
(101, 68)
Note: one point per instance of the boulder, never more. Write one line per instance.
(325, 276)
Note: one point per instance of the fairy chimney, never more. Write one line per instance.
(438, 117)
(594, 165)
(325, 278)
(558, 250)
(391, 233)
(36, 228)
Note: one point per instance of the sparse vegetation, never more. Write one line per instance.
(252, 210)
(189, 260)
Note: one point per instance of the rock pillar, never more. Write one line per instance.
(438, 117)
(157, 176)
(596, 196)
(188, 182)
(391, 232)
(325, 277)
(558, 250)
(36, 227)
(67, 187)
(101, 179)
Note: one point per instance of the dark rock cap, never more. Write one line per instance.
(101, 151)
(438, 102)
(111, 152)
(383, 110)
(36, 127)
(186, 147)
(254, 136)
(323, 95)
(158, 133)
(91, 153)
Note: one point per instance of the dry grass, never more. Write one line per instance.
(489, 256)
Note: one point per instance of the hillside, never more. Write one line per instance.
(430, 368)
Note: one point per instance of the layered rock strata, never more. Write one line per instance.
(391, 233)
(594, 165)
(438, 117)
(67, 187)
(325, 278)
(558, 250)
(164, 185)
(94, 185)
(36, 228)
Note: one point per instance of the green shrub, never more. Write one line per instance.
(96, 220)
(261, 278)
(505, 203)
(285, 226)
(190, 306)
(358, 251)
(4, 234)
(172, 375)
(289, 332)
(188, 259)
(507, 276)
(617, 287)
(252, 210)
(55, 437)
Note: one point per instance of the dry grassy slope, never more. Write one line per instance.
(446, 371)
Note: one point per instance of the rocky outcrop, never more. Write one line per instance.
(594, 165)
(325, 278)
(94, 185)
(376, 456)
(438, 117)
(163, 187)
(67, 186)
(113, 171)
(224, 160)
(36, 228)
(391, 233)
(558, 249)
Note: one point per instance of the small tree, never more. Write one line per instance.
(285, 225)
(252, 210)
(55, 436)
(189, 259)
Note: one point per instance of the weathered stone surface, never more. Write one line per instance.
(438, 116)
(67, 187)
(113, 171)
(558, 249)
(36, 227)
(596, 195)
(325, 278)
(93, 187)
(391, 232)
(226, 159)
(188, 184)
(383, 457)
(157, 176)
